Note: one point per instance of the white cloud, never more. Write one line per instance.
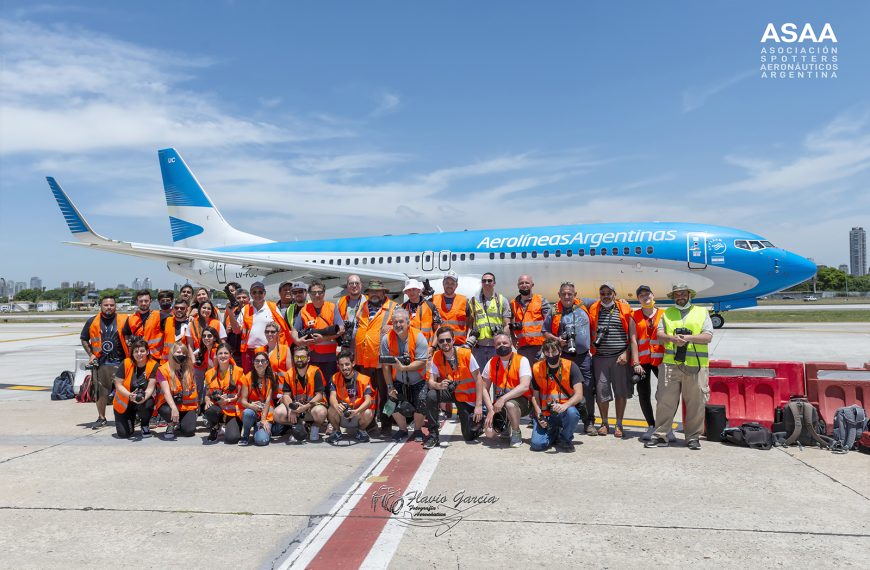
(387, 103)
(695, 97)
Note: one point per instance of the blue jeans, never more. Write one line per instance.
(249, 420)
(558, 425)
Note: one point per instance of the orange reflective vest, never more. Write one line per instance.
(148, 330)
(169, 337)
(422, 317)
(363, 384)
(558, 311)
(95, 335)
(456, 317)
(369, 330)
(259, 394)
(466, 387)
(314, 319)
(189, 396)
(649, 349)
(393, 340)
(342, 307)
(121, 401)
(196, 330)
(229, 383)
(506, 380)
(552, 390)
(532, 317)
(277, 356)
(302, 392)
(248, 323)
(624, 316)
(208, 360)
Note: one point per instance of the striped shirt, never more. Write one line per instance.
(616, 340)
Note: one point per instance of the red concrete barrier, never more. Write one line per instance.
(832, 385)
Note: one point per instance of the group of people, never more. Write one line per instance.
(313, 368)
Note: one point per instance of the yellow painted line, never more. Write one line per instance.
(28, 388)
(38, 337)
(632, 423)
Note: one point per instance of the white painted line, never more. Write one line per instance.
(303, 554)
(387, 543)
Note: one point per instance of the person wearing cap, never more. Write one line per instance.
(528, 312)
(292, 298)
(649, 351)
(611, 324)
(686, 330)
(569, 321)
(251, 324)
(424, 316)
(405, 375)
(319, 315)
(372, 324)
(490, 315)
(452, 307)
(349, 306)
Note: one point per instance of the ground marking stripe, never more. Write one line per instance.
(38, 337)
(24, 387)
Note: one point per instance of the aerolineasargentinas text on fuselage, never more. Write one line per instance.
(729, 268)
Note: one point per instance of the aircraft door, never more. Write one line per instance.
(428, 263)
(220, 270)
(444, 260)
(697, 250)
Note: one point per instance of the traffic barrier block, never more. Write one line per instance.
(748, 394)
(833, 385)
(793, 372)
(864, 442)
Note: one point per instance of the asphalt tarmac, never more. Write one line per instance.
(75, 497)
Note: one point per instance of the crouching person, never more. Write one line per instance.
(350, 400)
(511, 374)
(557, 385)
(178, 398)
(134, 387)
(223, 383)
(454, 379)
(302, 401)
(258, 387)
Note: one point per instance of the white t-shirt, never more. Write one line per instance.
(222, 332)
(472, 366)
(257, 336)
(525, 367)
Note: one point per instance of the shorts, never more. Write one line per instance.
(611, 379)
(104, 379)
(523, 403)
(414, 393)
(307, 417)
(349, 422)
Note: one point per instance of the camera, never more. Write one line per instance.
(299, 431)
(347, 339)
(328, 331)
(450, 390)
(680, 354)
(569, 335)
(516, 326)
(471, 339)
(348, 412)
(197, 357)
(137, 392)
(177, 399)
(635, 377)
(500, 421)
(216, 395)
(403, 359)
(294, 406)
(551, 407)
(231, 297)
(600, 335)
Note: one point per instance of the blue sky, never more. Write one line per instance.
(317, 119)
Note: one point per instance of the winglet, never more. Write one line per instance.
(77, 224)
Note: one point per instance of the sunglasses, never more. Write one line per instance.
(260, 361)
(317, 292)
(445, 340)
(209, 336)
(487, 280)
(258, 292)
(271, 332)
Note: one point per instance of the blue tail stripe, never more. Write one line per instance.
(183, 230)
(73, 219)
(179, 184)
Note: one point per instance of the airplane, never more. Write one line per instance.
(729, 268)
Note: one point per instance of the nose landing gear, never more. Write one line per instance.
(717, 320)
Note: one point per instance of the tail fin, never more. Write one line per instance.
(77, 224)
(193, 218)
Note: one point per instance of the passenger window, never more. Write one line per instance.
(338, 261)
(626, 251)
(513, 255)
(373, 260)
(364, 260)
(380, 260)
(471, 256)
(407, 259)
(501, 255)
(534, 254)
(591, 251)
(524, 254)
(581, 252)
(462, 257)
(637, 250)
(417, 259)
(389, 260)
(332, 261)
(558, 253)
(603, 251)
(568, 252)
(356, 261)
(546, 253)
(492, 256)
(615, 251)
(649, 250)
(453, 257)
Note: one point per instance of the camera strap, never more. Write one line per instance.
(557, 377)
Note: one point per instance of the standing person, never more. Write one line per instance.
(406, 373)
(200, 296)
(145, 323)
(279, 354)
(251, 323)
(528, 312)
(175, 327)
(454, 378)
(134, 391)
(255, 401)
(223, 384)
(186, 294)
(349, 306)
(178, 396)
(293, 298)
(557, 385)
(315, 319)
(568, 324)
(650, 351)
(686, 330)
(490, 315)
(612, 353)
(372, 323)
(511, 374)
(165, 299)
(231, 315)
(205, 318)
(424, 316)
(302, 397)
(452, 307)
(350, 400)
(103, 340)
(206, 359)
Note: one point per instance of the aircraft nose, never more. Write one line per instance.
(800, 268)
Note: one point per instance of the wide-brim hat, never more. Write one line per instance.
(375, 285)
(413, 284)
(682, 287)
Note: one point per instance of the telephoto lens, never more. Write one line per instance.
(680, 354)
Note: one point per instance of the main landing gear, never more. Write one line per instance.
(717, 320)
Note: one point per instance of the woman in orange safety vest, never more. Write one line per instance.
(178, 399)
(134, 388)
(256, 399)
(222, 386)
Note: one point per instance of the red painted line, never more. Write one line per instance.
(356, 535)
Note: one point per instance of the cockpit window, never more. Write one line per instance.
(755, 245)
(768, 244)
(741, 244)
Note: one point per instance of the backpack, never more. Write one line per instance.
(62, 389)
(86, 391)
(802, 425)
(752, 435)
(849, 422)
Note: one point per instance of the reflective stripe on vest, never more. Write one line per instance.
(248, 323)
(217, 381)
(312, 319)
(369, 332)
(506, 380)
(466, 387)
(485, 320)
(149, 330)
(551, 391)
(393, 341)
(189, 397)
(624, 314)
(649, 349)
(120, 402)
(696, 354)
(455, 318)
(363, 382)
(95, 335)
(532, 317)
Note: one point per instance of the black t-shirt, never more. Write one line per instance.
(140, 330)
(111, 350)
(318, 382)
(576, 377)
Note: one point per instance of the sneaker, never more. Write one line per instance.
(442, 416)
(505, 433)
(333, 438)
(100, 423)
(418, 435)
(516, 438)
(223, 430)
(656, 441)
(671, 437)
(590, 430)
(169, 433)
(400, 436)
(648, 434)
(694, 445)
(361, 436)
(386, 433)
(565, 445)
(431, 442)
(146, 431)
(213, 433)
(244, 442)
(314, 434)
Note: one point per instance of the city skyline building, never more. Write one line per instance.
(36, 283)
(64, 284)
(858, 251)
(843, 267)
(136, 284)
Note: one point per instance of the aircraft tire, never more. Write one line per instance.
(717, 320)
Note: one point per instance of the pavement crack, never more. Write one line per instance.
(92, 434)
(835, 480)
(166, 511)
